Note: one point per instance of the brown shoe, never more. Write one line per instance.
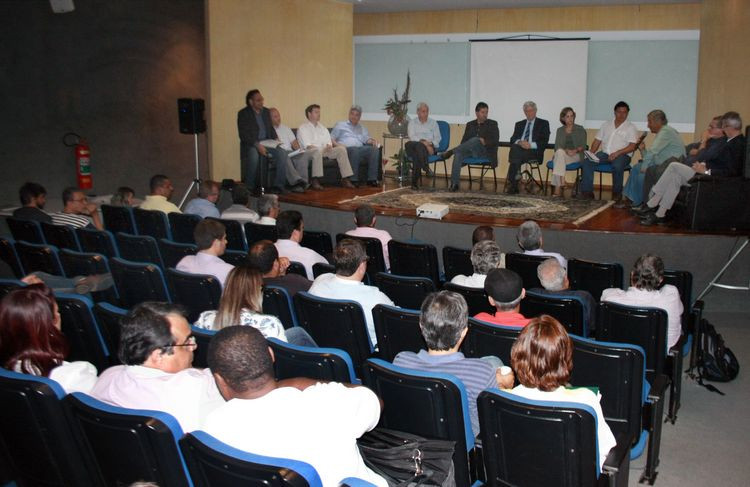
(315, 185)
(345, 183)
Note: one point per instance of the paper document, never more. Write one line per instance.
(590, 156)
(270, 143)
(295, 152)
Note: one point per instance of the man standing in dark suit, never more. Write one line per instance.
(480, 139)
(528, 142)
(258, 138)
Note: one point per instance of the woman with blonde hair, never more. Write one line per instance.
(242, 304)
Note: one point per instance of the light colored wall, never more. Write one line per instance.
(297, 52)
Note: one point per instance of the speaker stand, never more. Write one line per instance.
(714, 282)
(197, 181)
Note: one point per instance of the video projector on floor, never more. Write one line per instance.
(432, 210)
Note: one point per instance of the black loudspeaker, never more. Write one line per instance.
(190, 113)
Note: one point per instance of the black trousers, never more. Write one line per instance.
(418, 154)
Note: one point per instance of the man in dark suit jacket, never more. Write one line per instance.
(481, 138)
(254, 126)
(529, 140)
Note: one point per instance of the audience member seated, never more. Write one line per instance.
(364, 218)
(239, 210)
(359, 145)
(528, 142)
(33, 198)
(31, 341)
(268, 209)
(483, 232)
(242, 304)
(264, 257)
(161, 190)
(122, 197)
(304, 419)
(444, 322)
(530, 240)
(211, 240)
(313, 135)
(156, 348)
(542, 359)
(77, 211)
(290, 228)
(554, 280)
(727, 162)
(505, 291)
(350, 260)
(570, 142)
(424, 138)
(205, 204)
(645, 278)
(485, 256)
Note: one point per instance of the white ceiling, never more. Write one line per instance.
(380, 6)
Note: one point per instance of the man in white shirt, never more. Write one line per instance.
(161, 190)
(268, 209)
(211, 240)
(485, 256)
(359, 145)
(156, 348)
(262, 416)
(313, 135)
(613, 144)
(239, 210)
(289, 229)
(205, 204)
(530, 240)
(350, 260)
(303, 160)
(424, 137)
(364, 218)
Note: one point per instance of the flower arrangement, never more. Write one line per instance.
(398, 106)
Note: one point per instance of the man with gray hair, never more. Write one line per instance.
(205, 204)
(554, 280)
(424, 137)
(530, 240)
(728, 162)
(505, 291)
(268, 209)
(530, 137)
(485, 256)
(359, 145)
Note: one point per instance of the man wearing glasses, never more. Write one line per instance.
(205, 204)
(156, 348)
(77, 211)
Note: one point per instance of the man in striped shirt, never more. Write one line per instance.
(77, 211)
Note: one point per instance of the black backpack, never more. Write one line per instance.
(715, 361)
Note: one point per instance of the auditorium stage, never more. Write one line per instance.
(612, 235)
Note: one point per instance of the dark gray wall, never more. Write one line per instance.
(111, 71)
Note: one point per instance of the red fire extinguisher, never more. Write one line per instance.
(83, 160)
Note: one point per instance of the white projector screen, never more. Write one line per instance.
(505, 74)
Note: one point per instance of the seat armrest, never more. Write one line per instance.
(618, 460)
(660, 384)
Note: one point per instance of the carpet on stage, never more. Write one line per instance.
(522, 207)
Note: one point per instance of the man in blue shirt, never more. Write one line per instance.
(359, 145)
(205, 204)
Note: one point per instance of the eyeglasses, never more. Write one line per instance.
(189, 342)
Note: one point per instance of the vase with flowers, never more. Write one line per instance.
(397, 107)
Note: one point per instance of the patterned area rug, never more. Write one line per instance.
(522, 207)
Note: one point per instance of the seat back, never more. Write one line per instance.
(108, 318)
(118, 219)
(139, 248)
(277, 302)
(320, 242)
(235, 257)
(485, 339)
(297, 268)
(397, 330)
(137, 282)
(445, 136)
(97, 241)
(618, 370)
(235, 234)
(527, 442)
(645, 327)
(82, 263)
(406, 292)
(432, 405)
(8, 285)
(414, 259)
(374, 251)
(39, 257)
(213, 463)
(320, 268)
(173, 252)
(127, 445)
(80, 328)
(683, 281)
(35, 433)
(202, 339)
(9, 256)
(525, 266)
(183, 226)
(568, 310)
(61, 236)
(334, 323)
(26, 230)
(255, 232)
(594, 277)
(475, 298)
(457, 261)
(196, 292)
(328, 364)
(152, 222)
